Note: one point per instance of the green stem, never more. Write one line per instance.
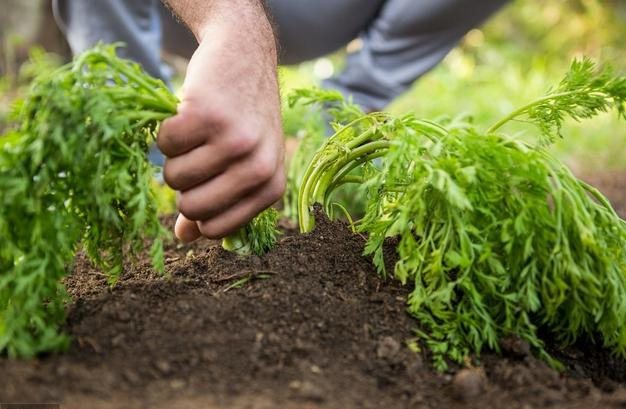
(523, 109)
(310, 176)
(597, 195)
(315, 187)
(168, 103)
(395, 189)
(345, 180)
(346, 213)
(324, 174)
(319, 193)
(140, 100)
(316, 158)
(342, 174)
(432, 126)
(149, 115)
(237, 242)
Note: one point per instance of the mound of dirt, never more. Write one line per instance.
(310, 325)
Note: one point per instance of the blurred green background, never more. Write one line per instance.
(513, 58)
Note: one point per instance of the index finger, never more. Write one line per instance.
(183, 132)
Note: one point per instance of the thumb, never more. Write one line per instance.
(186, 230)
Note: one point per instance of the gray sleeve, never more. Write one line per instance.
(407, 39)
(134, 22)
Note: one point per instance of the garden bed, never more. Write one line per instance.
(313, 328)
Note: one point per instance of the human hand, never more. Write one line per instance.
(224, 148)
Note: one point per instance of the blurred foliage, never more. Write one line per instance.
(13, 85)
(516, 56)
(165, 197)
(4, 101)
(513, 58)
(555, 31)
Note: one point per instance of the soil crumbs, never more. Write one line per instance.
(312, 327)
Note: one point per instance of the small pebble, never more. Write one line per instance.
(132, 377)
(183, 305)
(62, 370)
(177, 384)
(163, 366)
(387, 348)
(118, 340)
(311, 392)
(468, 384)
(123, 316)
(515, 347)
(307, 391)
(209, 355)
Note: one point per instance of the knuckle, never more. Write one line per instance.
(277, 189)
(163, 142)
(186, 207)
(194, 207)
(210, 119)
(214, 115)
(263, 170)
(192, 124)
(192, 110)
(171, 175)
(242, 142)
(274, 194)
(211, 230)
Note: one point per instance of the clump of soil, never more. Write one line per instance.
(312, 327)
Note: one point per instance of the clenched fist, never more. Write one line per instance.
(224, 148)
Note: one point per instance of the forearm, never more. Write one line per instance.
(200, 15)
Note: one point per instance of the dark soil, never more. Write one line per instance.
(313, 328)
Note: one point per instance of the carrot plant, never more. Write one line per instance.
(74, 172)
(497, 237)
(256, 237)
(308, 126)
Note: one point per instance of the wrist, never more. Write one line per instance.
(240, 18)
(247, 16)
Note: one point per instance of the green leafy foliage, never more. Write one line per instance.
(497, 236)
(257, 237)
(74, 172)
(39, 63)
(583, 93)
